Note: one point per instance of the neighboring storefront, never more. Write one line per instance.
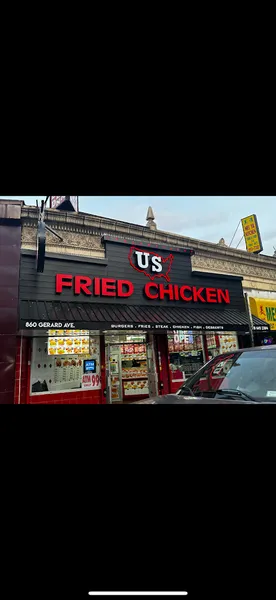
(10, 244)
(135, 323)
(264, 309)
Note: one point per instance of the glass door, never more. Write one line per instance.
(127, 367)
(152, 372)
(113, 373)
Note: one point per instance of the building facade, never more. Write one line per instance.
(122, 311)
(82, 235)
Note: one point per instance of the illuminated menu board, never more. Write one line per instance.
(68, 342)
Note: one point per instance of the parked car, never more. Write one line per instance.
(245, 377)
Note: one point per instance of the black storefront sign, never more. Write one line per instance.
(135, 326)
(136, 287)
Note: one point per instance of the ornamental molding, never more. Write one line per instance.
(86, 229)
(70, 240)
(231, 267)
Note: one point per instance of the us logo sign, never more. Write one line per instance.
(151, 264)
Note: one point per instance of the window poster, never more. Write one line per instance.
(60, 367)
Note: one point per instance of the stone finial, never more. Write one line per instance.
(150, 219)
(222, 243)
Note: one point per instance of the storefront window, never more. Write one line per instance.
(187, 353)
(227, 342)
(213, 346)
(65, 361)
(185, 356)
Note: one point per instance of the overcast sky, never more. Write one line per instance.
(200, 217)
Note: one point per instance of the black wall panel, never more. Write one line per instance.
(34, 286)
(10, 242)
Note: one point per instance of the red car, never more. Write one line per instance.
(245, 376)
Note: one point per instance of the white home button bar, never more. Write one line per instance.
(141, 594)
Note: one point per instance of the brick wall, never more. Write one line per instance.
(22, 382)
(67, 398)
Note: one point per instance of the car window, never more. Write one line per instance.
(250, 372)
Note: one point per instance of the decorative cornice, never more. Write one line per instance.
(208, 255)
(234, 268)
(32, 224)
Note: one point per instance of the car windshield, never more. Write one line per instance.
(253, 373)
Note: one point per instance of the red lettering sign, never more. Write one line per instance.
(148, 293)
(211, 295)
(90, 381)
(197, 294)
(223, 296)
(183, 295)
(97, 286)
(108, 287)
(176, 292)
(63, 281)
(166, 291)
(81, 284)
(121, 284)
(121, 288)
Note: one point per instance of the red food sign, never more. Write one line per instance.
(121, 288)
(90, 381)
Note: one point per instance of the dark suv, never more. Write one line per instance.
(244, 376)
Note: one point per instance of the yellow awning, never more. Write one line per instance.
(264, 309)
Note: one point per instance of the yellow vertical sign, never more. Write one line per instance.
(251, 234)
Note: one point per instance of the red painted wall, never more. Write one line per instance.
(174, 385)
(23, 373)
(67, 398)
(23, 370)
(164, 371)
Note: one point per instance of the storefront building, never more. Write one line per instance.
(134, 323)
(264, 309)
(83, 243)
